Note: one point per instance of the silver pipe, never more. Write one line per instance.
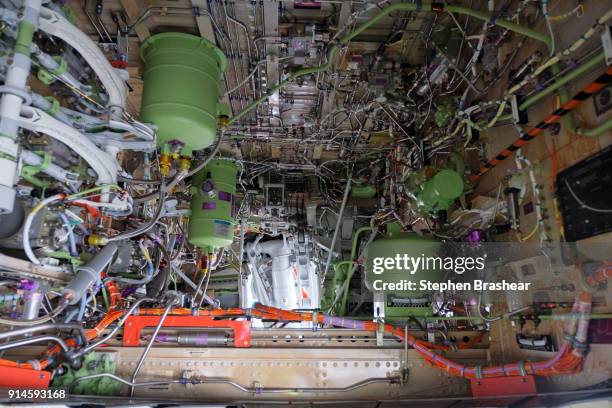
(31, 340)
(120, 323)
(347, 189)
(45, 327)
(149, 345)
(250, 390)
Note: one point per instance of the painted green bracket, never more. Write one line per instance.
(29, 173)
(55, 105)
(75, 261)
(48, 76)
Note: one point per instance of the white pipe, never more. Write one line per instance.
(284, 281)
(105, 166)
(10, 105)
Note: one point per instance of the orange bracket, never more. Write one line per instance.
(134, 325)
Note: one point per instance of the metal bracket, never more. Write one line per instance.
(606, 42)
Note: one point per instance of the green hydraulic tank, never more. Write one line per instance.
(181, 88)
(403, 303)
(211, 224)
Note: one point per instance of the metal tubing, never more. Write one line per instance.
(554, 117)
(31, 340)
(332, 246)
(565, 79)
(393, 8)
(149, 345)
(45, 327)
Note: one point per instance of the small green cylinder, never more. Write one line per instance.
(211, 224)
(181, 88)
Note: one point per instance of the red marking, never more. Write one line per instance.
(593, 88)
(497, 387)
(119, 64)
(134, 325)
(305, 294)
(569, 105)
(15, 377)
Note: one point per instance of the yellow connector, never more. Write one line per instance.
(165, 163)
(185, 163)
(223, 120)
(96, 240)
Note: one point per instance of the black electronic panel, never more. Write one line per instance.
(584, 192)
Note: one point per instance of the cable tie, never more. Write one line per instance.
(521, 367)
(478, 372)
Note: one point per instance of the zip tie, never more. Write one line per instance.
(568, 338)
(521, 367)
(579, 345)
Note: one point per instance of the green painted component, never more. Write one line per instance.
(402, 304)
(62, 65)
(211, 224)
(55, 105)
(75, 261)
(45, 76)
(29, 172)
(24, 38)
(93, 363)
(363, 191)
(181, 88)
(439, 192)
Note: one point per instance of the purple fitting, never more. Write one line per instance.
(28, 285)
(475, 237)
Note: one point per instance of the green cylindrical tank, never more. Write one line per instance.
(181, 88)
(403, 303)
(211, 224)
(439, 192)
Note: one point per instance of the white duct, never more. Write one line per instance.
(105, 166)
(284, 279)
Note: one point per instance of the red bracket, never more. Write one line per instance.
(134, 325)
(486, 390)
